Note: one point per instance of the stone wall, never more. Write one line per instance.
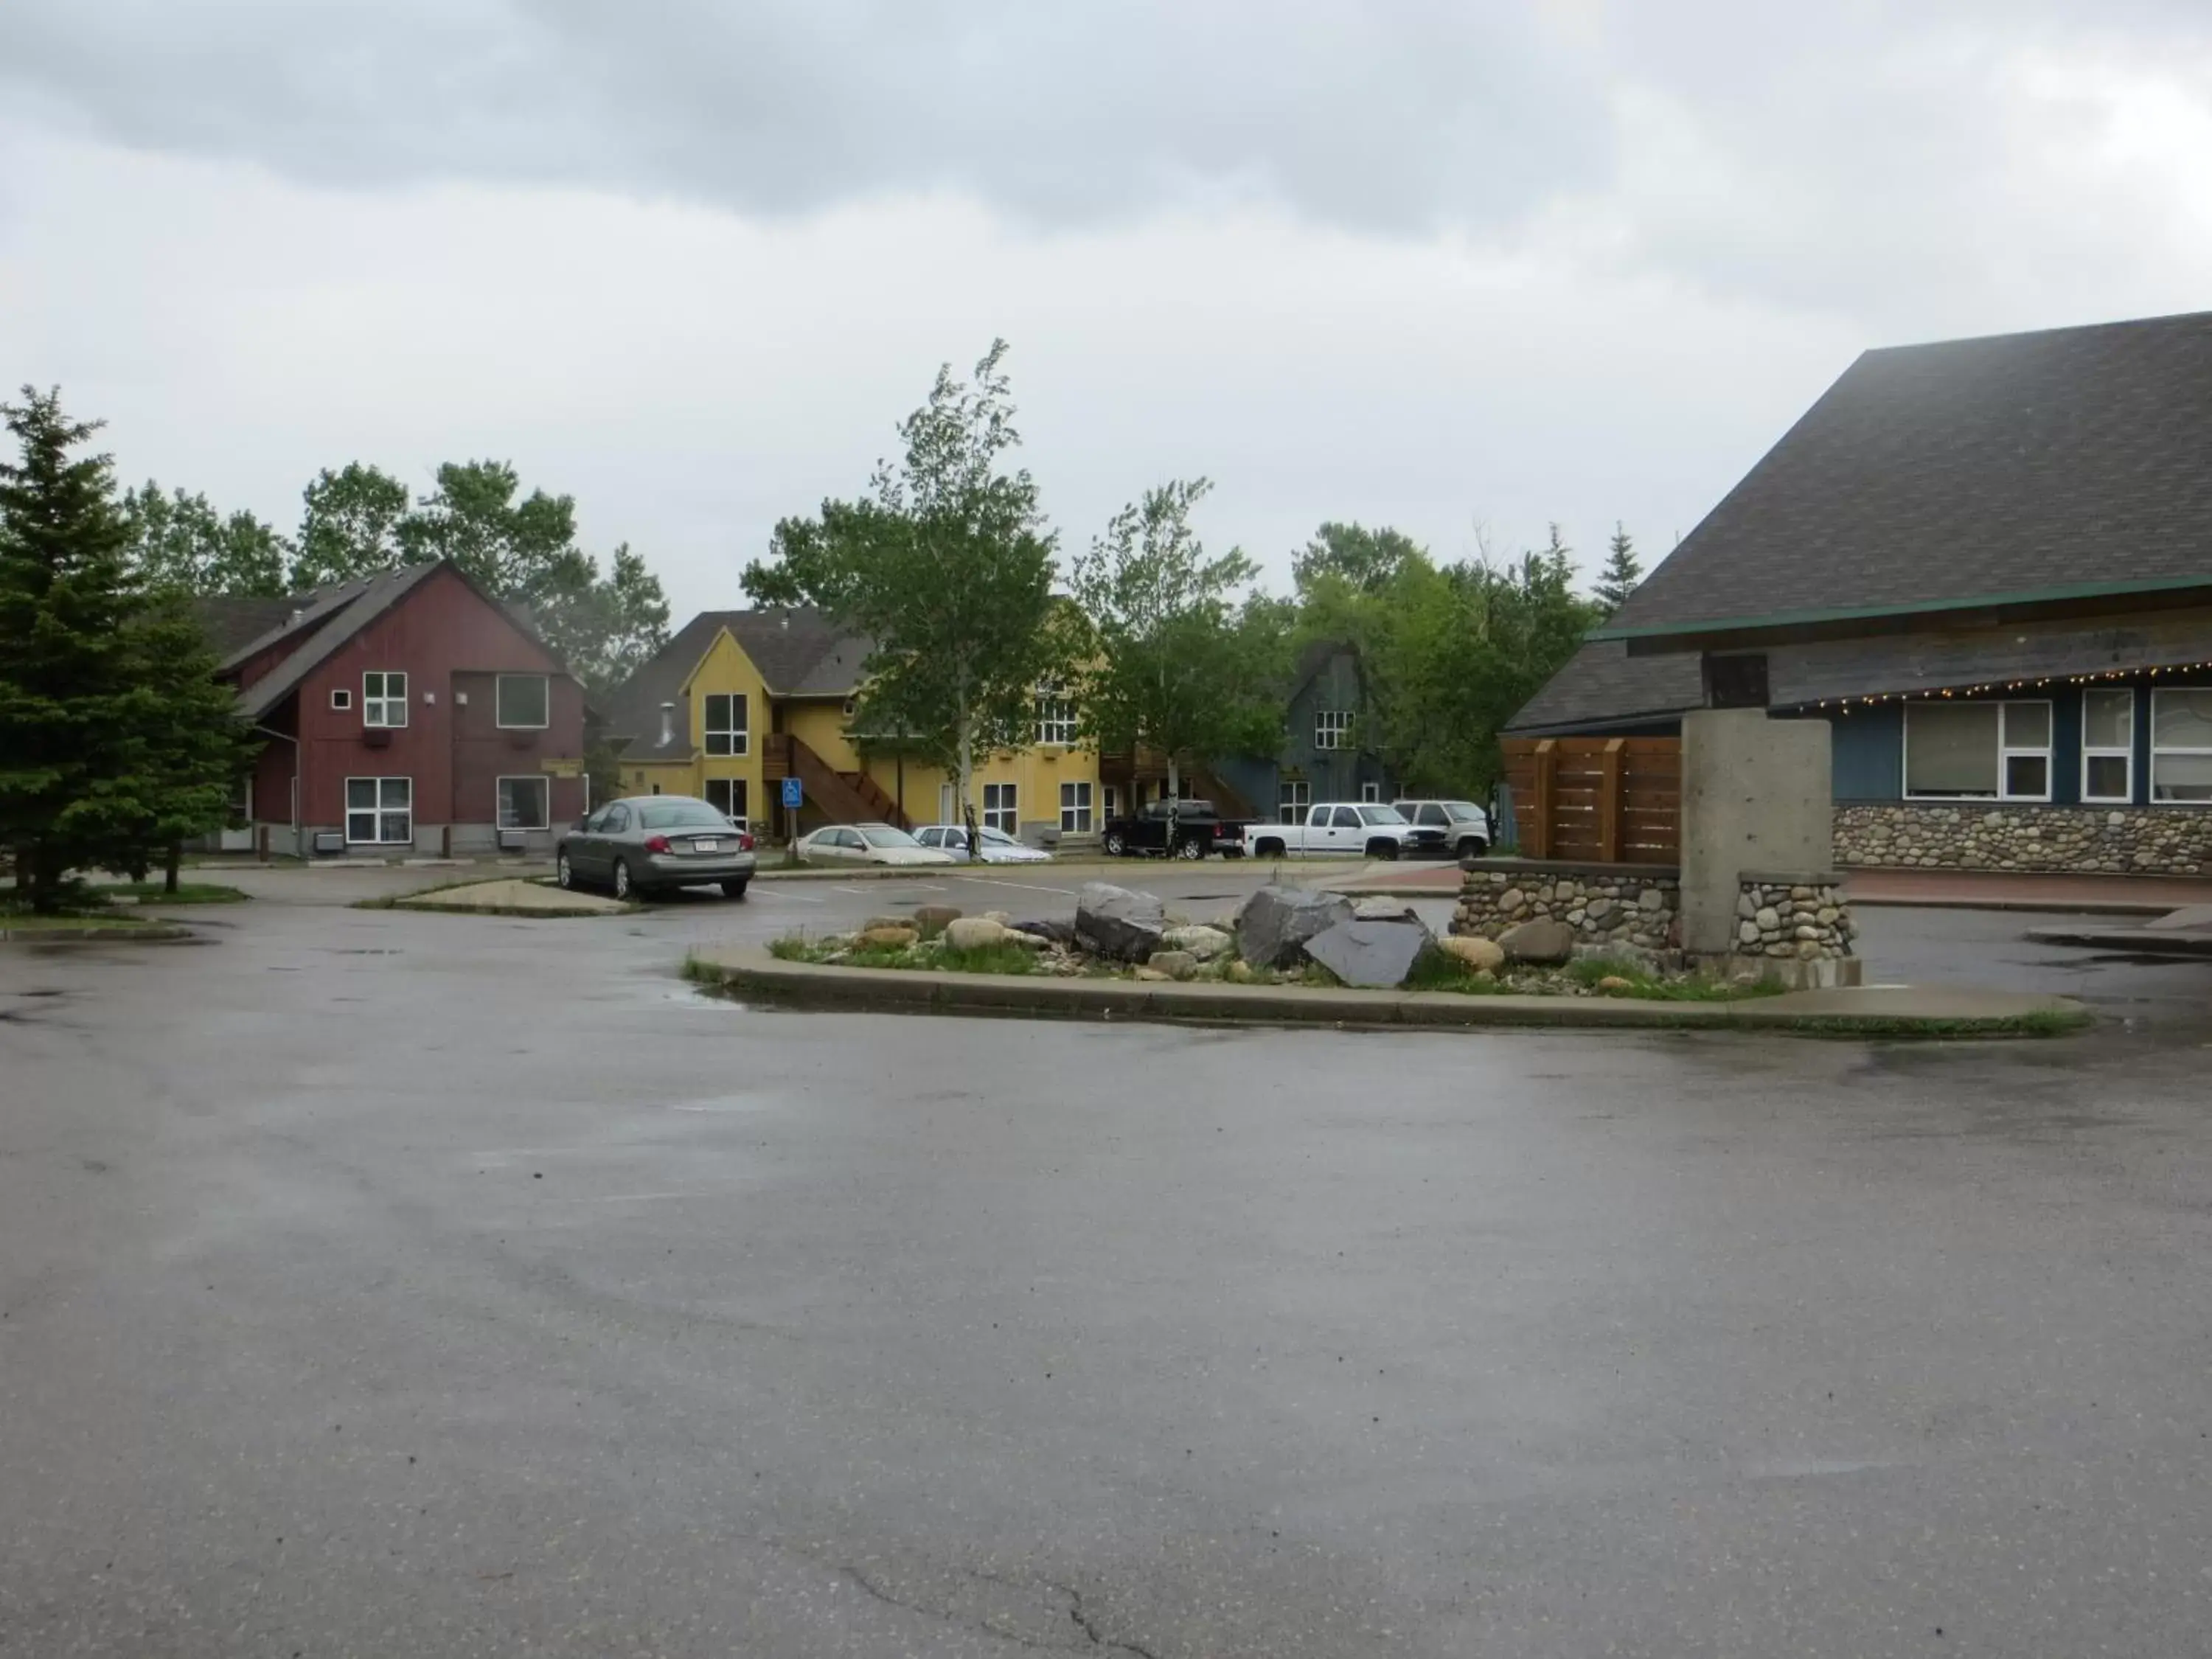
(1802, 918)
(2160, 840)
(1604, 904)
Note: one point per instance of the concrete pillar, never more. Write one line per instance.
(1756, 795)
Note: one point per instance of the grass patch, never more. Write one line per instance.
(1649, 987)
(188, 892)
(930, 954)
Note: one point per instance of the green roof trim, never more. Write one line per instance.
(1979, 602)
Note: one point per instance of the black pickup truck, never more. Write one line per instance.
(1178, 829)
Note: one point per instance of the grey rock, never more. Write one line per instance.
(1054, 932)
(1380, 907)
(1275, 923)
(974, 932)
(1547, 943)
(1204, 943)
(1175, 964)
(1370, 951)
(931, 920)
(1115, 922)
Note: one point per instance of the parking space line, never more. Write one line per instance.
(803, 898)
(1026, 886)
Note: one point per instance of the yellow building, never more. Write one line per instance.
(741, 699)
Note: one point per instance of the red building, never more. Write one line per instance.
(408, 712)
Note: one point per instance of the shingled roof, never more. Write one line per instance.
(800, 652)
(2014, 469)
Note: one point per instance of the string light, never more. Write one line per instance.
(1869, 700)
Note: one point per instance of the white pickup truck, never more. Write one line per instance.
(1344, 829)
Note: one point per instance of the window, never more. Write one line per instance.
(1331, 727)
(1111, 800)
(1075, 809)
(1292, 800)
(1429, 812)
(1345, 818)
(341, 698)
(615, 820)
(725, 723)
(678, 813)
(522, 701)
(522, 803)
(1370, 791)
(728, 797)
(1977, 751)
(380, 811)
(2181, 746)
(1056, 717)
(998, 806)
(384, 699)
(2108, 745)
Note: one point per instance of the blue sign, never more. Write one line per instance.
(791, 794)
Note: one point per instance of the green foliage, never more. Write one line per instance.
(1173, 663)
(1364, 560)
(1449, 654)
(350, 528)
(1593, 973)
(115, 738)
(186, 892)
(521, 550)
(946, 565)
(180, 541)
(610, 627)
(1623, 570)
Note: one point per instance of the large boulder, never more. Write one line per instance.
(887, 939)
(1203, 943)
(1477, 952)
(974, 932)
(1542, 943)
(1275, 923)
(931, 920)
(1052, 932)
(1380, 907)
(1114, 921)
(1373, 951)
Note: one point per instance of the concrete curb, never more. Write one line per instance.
(2133, 941)
(163, 932)
(1888, 1011)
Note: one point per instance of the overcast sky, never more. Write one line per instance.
(1441, 267)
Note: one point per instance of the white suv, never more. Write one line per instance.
(1466, 826)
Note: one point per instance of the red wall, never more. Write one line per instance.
(441, 633)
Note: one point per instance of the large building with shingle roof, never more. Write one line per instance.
(1988, 563)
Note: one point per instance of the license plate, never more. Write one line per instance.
(706, 846)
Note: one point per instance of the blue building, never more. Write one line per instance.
(1988, 564)
(1326, 754)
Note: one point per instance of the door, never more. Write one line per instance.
(599, 839)
(1345, 834)
(1315, 836)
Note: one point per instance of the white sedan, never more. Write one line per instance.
(836, 844)
(998, 846)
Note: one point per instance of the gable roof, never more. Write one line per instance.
(339, 614)
(800, 653)
(230, 621)
(2019, 468)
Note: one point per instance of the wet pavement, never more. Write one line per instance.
(375, 1283)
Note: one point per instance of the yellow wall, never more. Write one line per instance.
(1035, 772)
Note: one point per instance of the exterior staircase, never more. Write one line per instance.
(841, 797)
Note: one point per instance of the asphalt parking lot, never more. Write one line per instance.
(376, 1283)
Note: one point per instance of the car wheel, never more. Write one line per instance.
(563, 873)
(1381, 849)
(1190, 848)
(1114, 844)
(1472, 847)
(1270, 849)
(734, 890)
(623, 888)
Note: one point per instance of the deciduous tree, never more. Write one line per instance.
(350, 527)
(180, 541)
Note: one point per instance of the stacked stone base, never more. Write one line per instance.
(1793, 928)
(2110, 840)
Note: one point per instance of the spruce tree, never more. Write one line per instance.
(113, 736)
(1623, 570)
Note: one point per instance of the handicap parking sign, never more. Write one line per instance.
(791, 794)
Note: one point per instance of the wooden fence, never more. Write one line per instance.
(1601, 801)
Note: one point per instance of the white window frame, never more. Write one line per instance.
(2106, 752)
(545, 791)
(730, 786)
(736, 734)
(1370, 794)
(2156, 749)
(1056, 717)
(381, 814)
(2006, 751)
(1001, 808)
(341, 699)
(1292, 797)
(384, 709)
(1075, 807)
(499, 703)
(1332, 727)
(1109, 802)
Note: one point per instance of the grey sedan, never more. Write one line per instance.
(642, 843)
